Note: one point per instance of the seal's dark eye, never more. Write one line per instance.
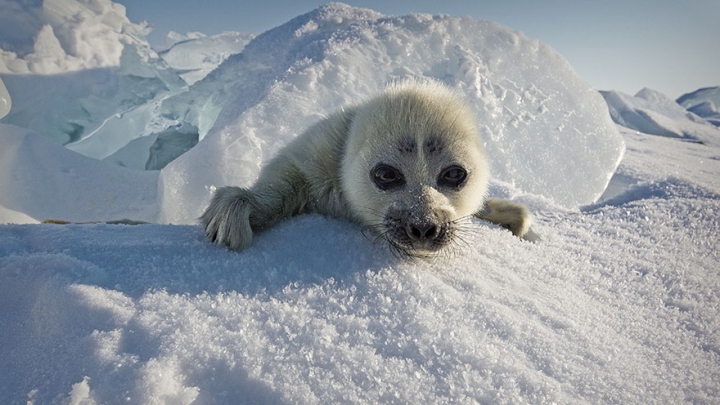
(453, 176)
(387, 177)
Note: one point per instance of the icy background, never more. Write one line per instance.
(615, 303)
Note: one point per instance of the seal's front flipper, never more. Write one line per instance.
(512, 216)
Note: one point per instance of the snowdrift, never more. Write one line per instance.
(42, 180)
(703, 102)
(5, 100)
(654, 113)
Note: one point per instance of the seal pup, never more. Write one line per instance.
(408, 165)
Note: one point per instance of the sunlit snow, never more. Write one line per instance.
(703, 102)
(654, 113)
(615, 302)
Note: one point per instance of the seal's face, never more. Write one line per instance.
(415, 169)
(418, 194)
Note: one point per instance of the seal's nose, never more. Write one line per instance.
(422, 232)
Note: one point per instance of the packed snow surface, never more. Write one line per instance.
(42, 180)
(616, 300)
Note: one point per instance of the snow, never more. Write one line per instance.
(703, 102)
(172, 38)
(98, 76)
(66, 36)
(43, 180)
(615, 302)
(711, 94)
(654, 113)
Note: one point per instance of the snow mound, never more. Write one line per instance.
(711, 94)
(197, 55)
(100, 81)
(41, 180)
(652, 112)
(58, 36)
(537, 117)
(703, 102)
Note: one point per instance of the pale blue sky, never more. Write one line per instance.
(670, 46)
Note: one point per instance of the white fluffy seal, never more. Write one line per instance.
(408, 165)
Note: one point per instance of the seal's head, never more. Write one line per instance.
(414, 166)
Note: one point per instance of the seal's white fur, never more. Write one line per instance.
(421, 131)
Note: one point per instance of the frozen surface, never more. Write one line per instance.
(654, 113)
(197, 55)
(97, 75)
(94, 112)
(618, 303)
